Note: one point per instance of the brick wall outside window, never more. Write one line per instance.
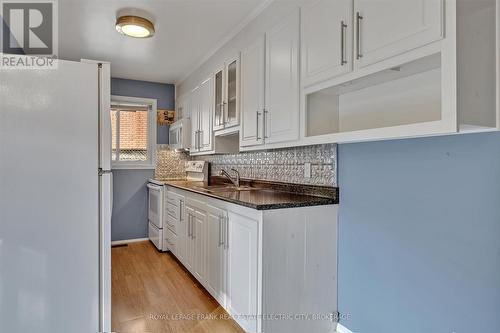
(133, 142)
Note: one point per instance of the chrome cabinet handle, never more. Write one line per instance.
(266, 112)
(193, 233)
(359, 54)
(221, 118)
(189, 225)
(220, 231)
(258, 114)
(181, 202)
(224, 113)
(226, 232)
(343, 29)
(192, 227)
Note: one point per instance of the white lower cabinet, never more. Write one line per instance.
(260, 264)
(181, 233)
(197, 222)
(243, 271)
(189, 240)
(216, 252)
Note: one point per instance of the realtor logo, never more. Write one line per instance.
(29, 32)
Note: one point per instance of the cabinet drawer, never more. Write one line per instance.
(172, 224)
(173, 210)
(171, 241)
(171, 199)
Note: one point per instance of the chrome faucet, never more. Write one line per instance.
(235, 181)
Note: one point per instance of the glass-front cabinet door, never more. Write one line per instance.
(232, 108)
(227, 90)
(219, 100)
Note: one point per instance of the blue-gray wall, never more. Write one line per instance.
(130, 196)
(419, 235)
(164, 93)
(130, 204)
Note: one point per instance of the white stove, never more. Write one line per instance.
(197, 171)
(156, 194)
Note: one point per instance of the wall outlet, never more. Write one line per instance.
(307, 170)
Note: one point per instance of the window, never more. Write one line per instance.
(133, 130)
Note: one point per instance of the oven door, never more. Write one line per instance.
(156, 236)
(155, 210)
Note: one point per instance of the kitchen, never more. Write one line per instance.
(292, 166)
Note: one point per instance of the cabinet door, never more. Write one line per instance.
(194, 108)
(282, 81)
(180, 108)
(189, 249)
(387, 28)
(182, 233)
(231, 107)
(215, 253)
(219, 99)
(326, 42)
(242, 275)
(252, 93)
(206, 107)
(199, 239)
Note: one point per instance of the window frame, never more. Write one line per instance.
(152, 135)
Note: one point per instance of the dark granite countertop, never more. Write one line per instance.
(263, 195)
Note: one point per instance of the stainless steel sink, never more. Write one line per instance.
(224, 188)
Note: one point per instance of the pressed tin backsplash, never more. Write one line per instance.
(283, 165)
(169, 163)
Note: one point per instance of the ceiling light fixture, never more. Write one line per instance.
(135, 26)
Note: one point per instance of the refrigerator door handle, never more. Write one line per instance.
(104, 172)
(111, 192)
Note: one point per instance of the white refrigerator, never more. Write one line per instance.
(55, 199)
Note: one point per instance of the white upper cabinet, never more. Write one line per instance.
(219, 99)
(227, 92)
(386, 28)
(206, 114)
(201, 110)
(327, 30)
(270, 90)
(192, 104)
(232, 106)
(281, 115)
(341, 71)
(180, 108)
(253, 68)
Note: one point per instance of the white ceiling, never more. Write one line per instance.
(186, 32)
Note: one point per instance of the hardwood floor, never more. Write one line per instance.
(153, 293)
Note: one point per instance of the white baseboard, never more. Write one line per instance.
(343, 329)
(128, 241)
